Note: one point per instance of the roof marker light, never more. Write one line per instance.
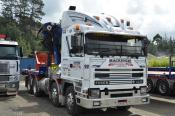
(3, 36)
(97, 17)
(77, 27)
(108, 19)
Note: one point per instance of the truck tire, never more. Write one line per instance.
(29, 86)
(123, 108)
(70, 102)
(163, 87)
(150, 85)
(174, 89)
(35, 88)
(54, 95)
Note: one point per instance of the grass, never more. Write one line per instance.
(154, 61)
(158, 61)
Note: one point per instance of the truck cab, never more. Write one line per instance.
(106, 68)
(9, 67)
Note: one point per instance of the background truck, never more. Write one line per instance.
(10, 53)
(87, 65)
(162, 79)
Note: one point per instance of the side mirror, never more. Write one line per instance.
(20, 52)
(73, 44)
(146, 42)
(76, 43)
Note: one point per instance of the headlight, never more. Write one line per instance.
(143, 90)
(94, 93)
(13, 78)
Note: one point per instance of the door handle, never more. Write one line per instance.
(16, 66)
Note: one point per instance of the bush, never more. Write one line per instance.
(158, 61)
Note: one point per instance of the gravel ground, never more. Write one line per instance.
(25, 104)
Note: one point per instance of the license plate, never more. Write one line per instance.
(122, 102)
(2, 85)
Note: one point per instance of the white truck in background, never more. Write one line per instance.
(100, 68)
(9, 66)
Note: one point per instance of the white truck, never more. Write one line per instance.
(9, 66)
(99, 68)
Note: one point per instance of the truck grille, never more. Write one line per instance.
(121, 95)
(4, 78)
(4, 68)
(118, 76)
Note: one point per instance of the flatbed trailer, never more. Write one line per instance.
(162, 79)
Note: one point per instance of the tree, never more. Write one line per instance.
(36, 10)
(19, 20)
(22, 11)
(157, 39)
(8, 9)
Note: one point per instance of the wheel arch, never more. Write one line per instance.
(66, 85)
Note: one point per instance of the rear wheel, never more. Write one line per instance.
(36, 90)
(29, 86)
(163, 87)
(54, 95)
(150, 88)
(174, 89)
(70, 102)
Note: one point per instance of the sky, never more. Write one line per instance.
(147, 16)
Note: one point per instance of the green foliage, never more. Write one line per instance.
(158, 61)
(20, 20)
(162, 46)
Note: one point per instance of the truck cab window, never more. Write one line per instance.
(9, 52)
(77, 45)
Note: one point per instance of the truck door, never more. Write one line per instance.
(77, 56)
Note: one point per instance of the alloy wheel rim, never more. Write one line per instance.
(54, 94)
(162, 88)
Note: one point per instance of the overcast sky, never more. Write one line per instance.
(148, 16)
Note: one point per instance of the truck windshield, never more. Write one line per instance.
(8, 52)
(113, 45)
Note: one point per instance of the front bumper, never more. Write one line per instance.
(9, 88)
(113, 102)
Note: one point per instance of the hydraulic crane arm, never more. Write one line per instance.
(51, 35)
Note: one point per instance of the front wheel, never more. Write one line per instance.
(70, 102)
(150, 85)
(54, 96)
